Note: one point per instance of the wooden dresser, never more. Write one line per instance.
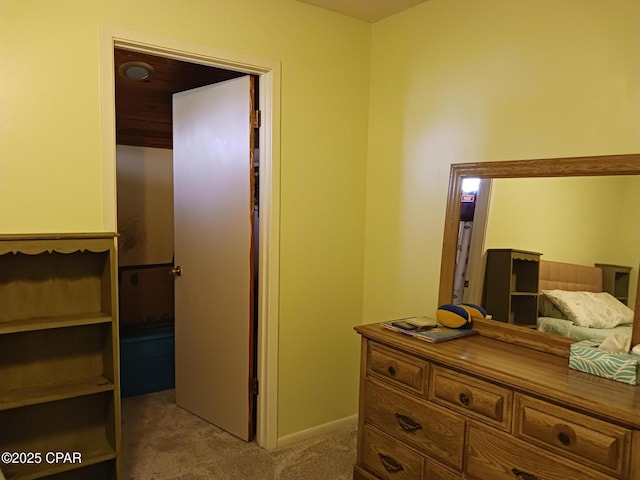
(479, 408)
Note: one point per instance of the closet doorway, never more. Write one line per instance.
(177, 266)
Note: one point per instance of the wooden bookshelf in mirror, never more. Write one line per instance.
(615, 280)
(511, 285)
(59, 373)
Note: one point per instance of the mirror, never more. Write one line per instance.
(613, 165)
(576, 220)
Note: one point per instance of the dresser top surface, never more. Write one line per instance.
(533, 372)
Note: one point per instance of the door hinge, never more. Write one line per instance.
(255, 387)
(256, 119)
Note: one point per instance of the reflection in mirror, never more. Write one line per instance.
(577, 220)
(572, 211)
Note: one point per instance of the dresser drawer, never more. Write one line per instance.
(434, 471)
(471, 396)
(390, 459)
(403, 370)
(494, 455)
(360, 473)
(432, 430)
(587, 440)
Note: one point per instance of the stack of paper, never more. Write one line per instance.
(426, 329)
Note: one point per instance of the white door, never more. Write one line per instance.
(212, 137)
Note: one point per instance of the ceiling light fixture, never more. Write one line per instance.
(136, 71)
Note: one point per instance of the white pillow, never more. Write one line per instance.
(548, 309)
(591, 309)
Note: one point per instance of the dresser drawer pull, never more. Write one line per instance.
(407, 423)
(390, 463)
(520, 475)
(564, 439)
(464, 399)
(391, 370)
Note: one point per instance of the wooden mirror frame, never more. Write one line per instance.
(554, 167)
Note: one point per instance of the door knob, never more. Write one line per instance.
(176, 271)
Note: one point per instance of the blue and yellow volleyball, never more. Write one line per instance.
(453, 316)
(459, 316)
(476, 311)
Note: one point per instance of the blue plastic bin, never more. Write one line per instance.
(147, 362)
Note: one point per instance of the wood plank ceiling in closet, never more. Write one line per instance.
(144, 108)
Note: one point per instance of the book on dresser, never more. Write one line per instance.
(442, 334)
(426, 331)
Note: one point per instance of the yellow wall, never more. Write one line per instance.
(629, 232)
(470, 81)
(51, 166)
(574, 220)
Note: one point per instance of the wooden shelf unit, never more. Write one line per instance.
(511, 286)
(615, 280)
(14, 326)
(59, 372)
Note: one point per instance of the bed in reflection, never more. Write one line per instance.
(573, 305)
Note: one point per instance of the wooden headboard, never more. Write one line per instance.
(569, 276)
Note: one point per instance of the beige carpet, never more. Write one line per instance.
(164, 442)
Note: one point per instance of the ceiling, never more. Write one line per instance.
(369, 10)
(144, 108)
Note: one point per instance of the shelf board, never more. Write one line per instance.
(50, 393)
(32, 324)
(33, 472)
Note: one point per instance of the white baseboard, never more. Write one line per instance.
(317, 430)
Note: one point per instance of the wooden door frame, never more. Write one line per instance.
(475, 272)
(269, 223)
